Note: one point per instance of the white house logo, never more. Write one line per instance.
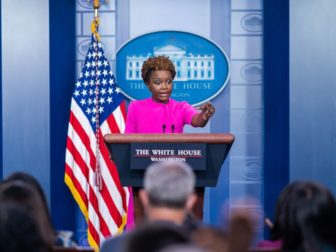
(188, 67)
(251, 170)
(252, 22)
(252, 72)
(202, 68)
(83, 46)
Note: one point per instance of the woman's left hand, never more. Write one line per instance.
(207, 110)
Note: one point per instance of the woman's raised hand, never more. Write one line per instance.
(207, 110)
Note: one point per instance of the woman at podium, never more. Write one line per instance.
(160, 113)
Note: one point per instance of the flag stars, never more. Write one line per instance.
(101, 100)
(84, 92)
(96, 89)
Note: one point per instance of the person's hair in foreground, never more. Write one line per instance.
(156, 64)
(29, 179)
(18, 231)
(309, 219)
(280, 218)
(154, 237)
(27, 197)
(211, 239)
(169, 184)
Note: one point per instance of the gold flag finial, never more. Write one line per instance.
(96, 4)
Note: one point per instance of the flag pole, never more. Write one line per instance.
(94, 27)
(96, 6)
(96, 21)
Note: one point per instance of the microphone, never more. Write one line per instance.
(164, 128)
(173, 128)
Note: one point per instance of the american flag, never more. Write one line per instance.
(97, 190)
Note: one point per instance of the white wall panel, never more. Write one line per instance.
(247, 4)
(187, 15)
(246, 97)
(246, 47)
(25, 88)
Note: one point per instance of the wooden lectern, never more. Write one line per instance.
(205, 153)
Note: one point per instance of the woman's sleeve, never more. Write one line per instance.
(131, 119)
(189, 112)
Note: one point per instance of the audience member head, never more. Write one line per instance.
(310, 218)
(241, 230)
(168, 186)
(27, 178)
(19, 231)
(280, 217)
(211, 239)
(184, 248)
(154, 237)
(24, 195)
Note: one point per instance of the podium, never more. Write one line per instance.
(205, 153)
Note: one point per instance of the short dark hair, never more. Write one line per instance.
(155, 64)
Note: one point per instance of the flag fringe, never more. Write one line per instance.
(84, 211)
(76, 196)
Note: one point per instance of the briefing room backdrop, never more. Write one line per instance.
(280, 136)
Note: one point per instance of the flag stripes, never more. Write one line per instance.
(105, 209)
